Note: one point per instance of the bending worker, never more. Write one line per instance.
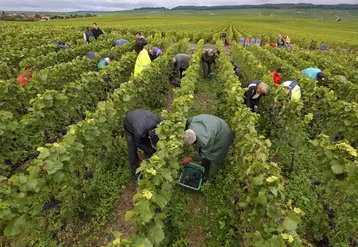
(181, 63)
(224, 38)
(119, 42)
(154, 53)
(104, 63)
(212, 137)
(277, 76)
(90, 54)
(281, 42)
(314, 73)
(254, 92)
(139, 128)
(208, 59)
(236, 68)
(24, 77)
(293, 91)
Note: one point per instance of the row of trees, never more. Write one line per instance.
(36, 17)
(272, 6)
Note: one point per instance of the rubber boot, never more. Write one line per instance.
(212, 172)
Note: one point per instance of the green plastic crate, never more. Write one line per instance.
(194, 172)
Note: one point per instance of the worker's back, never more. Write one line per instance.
(182, 60)
(311, 72)
(120, 42)
(213, 132)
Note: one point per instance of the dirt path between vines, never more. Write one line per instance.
(119, 224)
(196, 207)
(205, 102)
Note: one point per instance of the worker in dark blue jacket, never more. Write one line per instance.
(90, 54)
(139, 128)
(255, 89)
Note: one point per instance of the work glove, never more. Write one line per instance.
(256, 109)
(186, 160)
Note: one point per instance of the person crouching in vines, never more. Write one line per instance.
(292, 93)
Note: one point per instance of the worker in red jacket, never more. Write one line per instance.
(277, 76)
(24, 77)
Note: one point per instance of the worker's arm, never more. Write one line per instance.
(204, 151)
(84, 37)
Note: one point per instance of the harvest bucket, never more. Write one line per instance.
(192, 176)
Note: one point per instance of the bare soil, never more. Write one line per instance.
(196, 234)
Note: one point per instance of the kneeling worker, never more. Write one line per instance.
(212, 137)
(139, 128)
(254, 92)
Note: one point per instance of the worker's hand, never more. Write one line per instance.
(186, 160)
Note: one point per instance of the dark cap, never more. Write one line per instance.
(320, 76)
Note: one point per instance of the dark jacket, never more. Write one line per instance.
(97, 32)
(181, 61)
(139, 123)
(62, 47)
(207, 58)
(250, 93)
(142, 40)
(236, 68)
(88, 35)
(90, 54)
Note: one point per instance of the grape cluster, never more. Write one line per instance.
(193, 180)
(55, 204)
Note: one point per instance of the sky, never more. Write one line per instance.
(114, 5)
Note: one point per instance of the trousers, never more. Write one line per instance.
(206, 68)
(211, 169)
(133, 158)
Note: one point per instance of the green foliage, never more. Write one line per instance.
(63, 161)
(160, 173)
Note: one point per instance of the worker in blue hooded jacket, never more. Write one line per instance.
(314, 73)
(119, 42)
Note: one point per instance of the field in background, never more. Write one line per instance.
(297, 27)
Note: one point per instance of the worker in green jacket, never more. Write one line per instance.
(212, 137)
